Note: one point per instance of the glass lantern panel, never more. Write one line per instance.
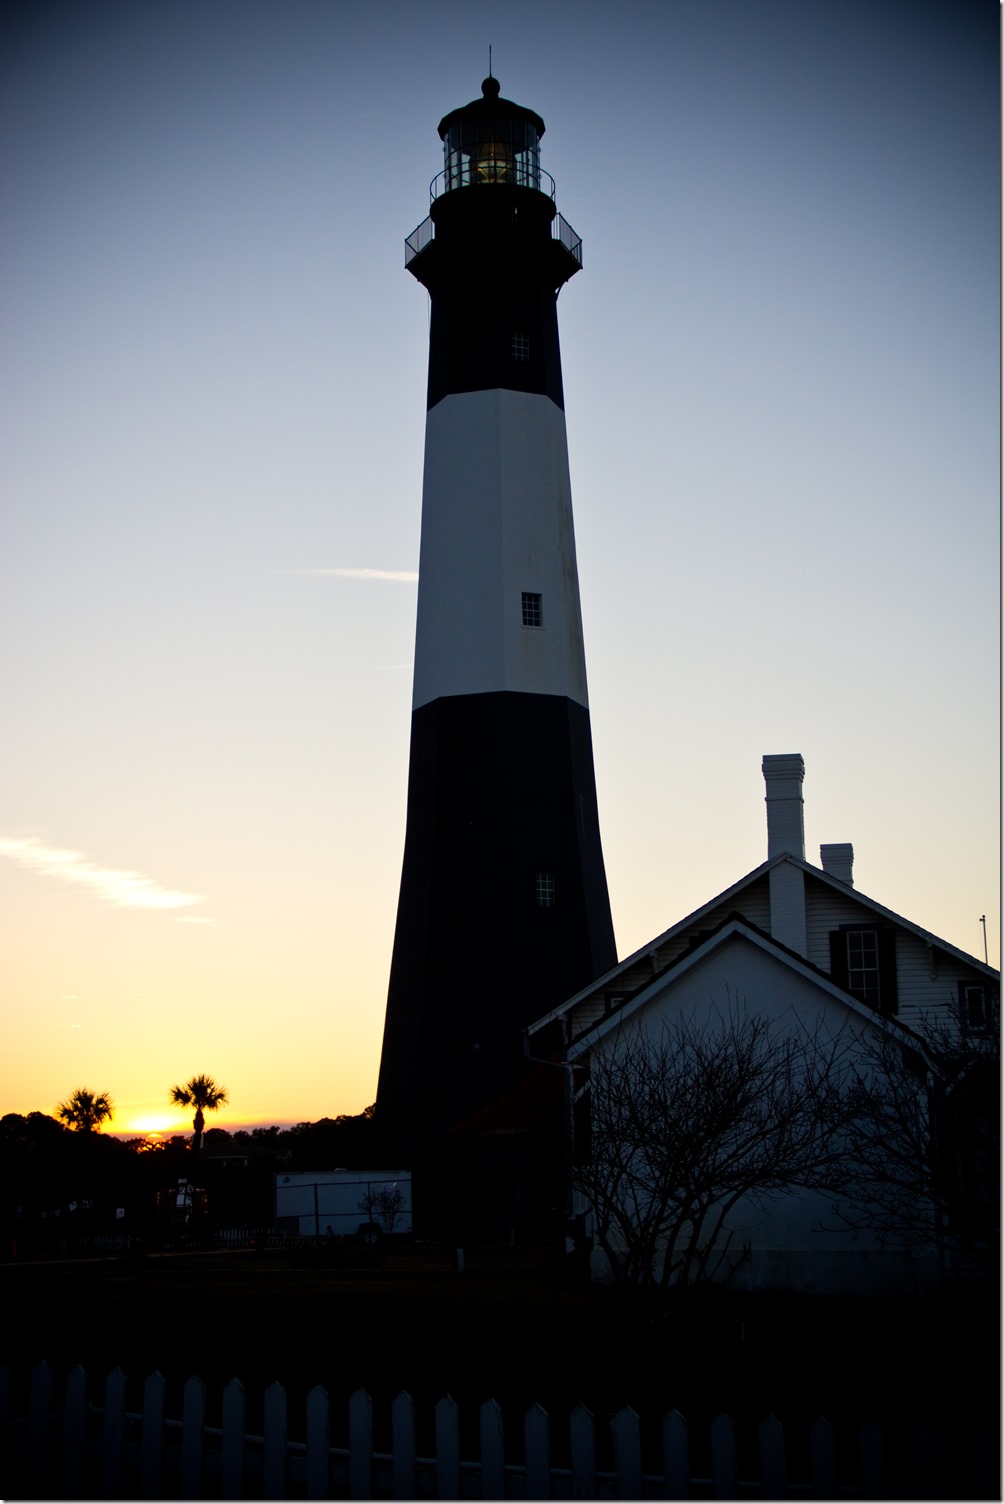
(486, 150)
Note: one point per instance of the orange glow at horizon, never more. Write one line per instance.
(160, 1127)
(159, 1124)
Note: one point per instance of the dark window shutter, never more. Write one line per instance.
(888, 998)
(838, 958)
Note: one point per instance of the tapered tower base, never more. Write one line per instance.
(503, 909)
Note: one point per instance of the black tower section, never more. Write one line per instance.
(503, 908)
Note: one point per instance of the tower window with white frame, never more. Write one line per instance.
(521, 347)
(532, 613)
(544, 886)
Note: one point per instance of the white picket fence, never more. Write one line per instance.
(65, 1446)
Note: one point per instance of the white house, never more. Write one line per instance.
(800, 946)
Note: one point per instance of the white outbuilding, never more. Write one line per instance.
(844, 981)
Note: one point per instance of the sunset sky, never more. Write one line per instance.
(781, 380)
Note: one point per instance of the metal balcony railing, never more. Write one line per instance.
(468, 172)
(562, 230)
(418, 240)
(425, 233)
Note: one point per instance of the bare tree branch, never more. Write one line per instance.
(685, 1127)
(923, 1141)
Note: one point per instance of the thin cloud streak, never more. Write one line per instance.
(130, 890)
(398, 576)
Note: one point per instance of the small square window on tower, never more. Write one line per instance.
(531, 609)
(545, 890)
(520, 347)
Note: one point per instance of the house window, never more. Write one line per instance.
(531, 609)
(863, 962)
(863, 965)
(544, 884)
(974, 1014)
(520, 347)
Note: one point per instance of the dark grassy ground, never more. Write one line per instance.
(516, 1326)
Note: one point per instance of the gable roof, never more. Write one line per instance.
(692, 920)
(735, 926)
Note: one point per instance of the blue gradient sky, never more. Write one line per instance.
(781, 378)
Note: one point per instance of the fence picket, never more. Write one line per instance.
(274, 1466)
(39, 1399)
(360, 1445)
(233, 1440)
(723, 1458)
(676, 1456)
(318, 1443)
(113, 1433)
(627, 1453)
(447, 1449)
(152, 1438)
(74, 1421)
(402, 1426)
(583, 1442)
(773, 1471)
(193, 1413)
(873, 1469)
(537, 1431)
(492, 1451)
(824, 1464)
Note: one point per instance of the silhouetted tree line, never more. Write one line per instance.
(343, 1142)
(63, 1190)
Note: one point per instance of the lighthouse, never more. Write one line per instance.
(503, 908)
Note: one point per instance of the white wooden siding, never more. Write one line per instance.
(921, 995)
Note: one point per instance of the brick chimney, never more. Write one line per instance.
(783, 774)
(838, 861)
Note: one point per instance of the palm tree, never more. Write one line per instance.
(85, 1111)
(204, 1095)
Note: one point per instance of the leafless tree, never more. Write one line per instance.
(923, 1139)
(685, 1126)
(892, 1188)
(389, 1202)
(383, 1204)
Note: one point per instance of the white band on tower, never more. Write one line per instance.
(498, 598)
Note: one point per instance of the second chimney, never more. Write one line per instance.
(838, 861)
